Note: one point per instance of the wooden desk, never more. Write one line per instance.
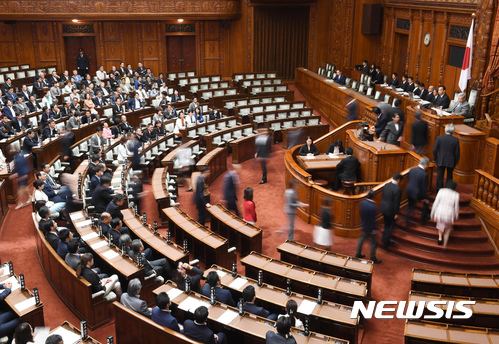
(133, 328)
(450, 283)
(47, 151)
(420, 332)
(378, 160)
(243, 149)
(168, 160)
(328, 98)
(297, 135)
(329, 318)
(210, 247)
(241, 234)
(33, 314)
(160, 190)
(86, 130)
(208, 138)
(248, 328)
(472, 146)
(171, 251)
(326, 261)
(66, 326)
(306, 281)
(4, 206)
(485, 311)
(406, 101)
(215, 161)
(320, 166)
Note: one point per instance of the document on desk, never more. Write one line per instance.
(238, 283)
(173, 293)
(110, 254)
(14, 281)
(191, 304)
(227, 317)
(21, 306)
(76, 216)
(98, 245)
(221, 273)
(306, 307)
(310, 157)
(89, 236)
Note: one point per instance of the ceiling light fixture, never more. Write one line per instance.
(75, 20)
(180, 20)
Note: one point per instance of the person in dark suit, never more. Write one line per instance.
(416, 90)
(392, 133)
(368, 212)
(99, 100)
(149, 133)
(365, 67)
(446, 154)
(423, 93)
(122, 69)
(199, 198)
(348, 169)
(339, 77)
(410, 84)
(221, 295)
(160, 80)
(430, 96)
(396, 109)
(282, 336)
(419, 133)
(19, 123)
(249, 297)
(230, 185)
(82, 63)
(389, 207)
(176, 97)
(33, 105)
(134, 103)
(403, 85)
(381, 121)
(263, 147)
(50, 230)
(114, 206)
(198, 330)
(29, 142)
(195, 274)
(116, 231)
(336, 148)
(214, 113)
(442, 99)
(8, 110)
(394, 81)
(159, 268)
(95, 180)
(416, 189)
(159, 130)
(117, 111)
(308, 149)
(50, 130)
(162, 315)
(378, 77)
(102, 195)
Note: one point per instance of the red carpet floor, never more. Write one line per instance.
(391, 279)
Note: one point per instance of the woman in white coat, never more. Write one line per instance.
(445, 211)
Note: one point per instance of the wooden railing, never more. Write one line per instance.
(486, 189)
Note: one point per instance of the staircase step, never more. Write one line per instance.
(453, 248)
(465, 212)
(432, 233)
(464, 199)
(460, 224)
(440, 259)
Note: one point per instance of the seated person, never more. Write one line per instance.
(336, 148)
(291, 307)
(55, 208)
(394, 81)
(249, 297)
(64, 236)
(221, 295)
(158, 130)
(8, 318)
(45, 217)
(105, 284)
(158, 267)
(162, 315)
(178, 276)
(102, 195)
(74, 255)
(347, 169)
(54, 339)
(308, 149)
(339, 78)
(282, 336)
(113, 208)
(131, 299)
(115, 231)
(198, 330)
(97, 172)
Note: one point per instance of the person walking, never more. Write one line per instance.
(368, 211)
(263, 148)
(290, 206)
(446, 154)
(200, 195)
(230, 185)
(416, 190)
(445, 211)
(389, 207)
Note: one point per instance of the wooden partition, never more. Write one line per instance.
(215, 161)
(346, 220)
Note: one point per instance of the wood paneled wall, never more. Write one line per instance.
(281, 39)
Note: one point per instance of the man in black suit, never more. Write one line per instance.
(378, 77)
(33, 105)
(419, 133)
(263, 147)
(95, 180)
(423, 93)
(416, 190)
(446, 154)
(394, 81)
(410, 84)
(29, 142)
(102, 195)
(199, 195)
(348, 169)
(381, 121)
(230, 185)
(50, 130)
(198, 330)
(430, 97)
(113, 82)
(389, 207)
(249, 297)
(403, 85)
(117, 111)
(25, 94)
(368, 212)
(365, 67)
(113, 207)
(19, 123)
(282, 336)
(82, 63)
(442, 99)
(397, 110)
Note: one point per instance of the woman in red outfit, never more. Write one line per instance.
(249, 206)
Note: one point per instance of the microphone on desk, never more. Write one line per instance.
(362, 124)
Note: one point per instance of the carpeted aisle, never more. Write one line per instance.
(391, 279)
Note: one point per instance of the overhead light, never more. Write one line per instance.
(75, 20)
(180, 20)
